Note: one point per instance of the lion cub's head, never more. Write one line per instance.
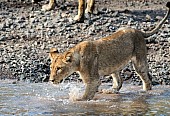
(62, 65)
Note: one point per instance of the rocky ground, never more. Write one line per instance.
(27, 34)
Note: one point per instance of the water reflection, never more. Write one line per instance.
(47, 99)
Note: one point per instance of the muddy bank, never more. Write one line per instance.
(27, 34)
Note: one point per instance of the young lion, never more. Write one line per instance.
(80, 16)
(105, 56)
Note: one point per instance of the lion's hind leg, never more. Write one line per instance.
(117, 82)
(141, 67)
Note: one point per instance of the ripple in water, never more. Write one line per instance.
(48, 99)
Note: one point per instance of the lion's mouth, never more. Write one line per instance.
(55, 81)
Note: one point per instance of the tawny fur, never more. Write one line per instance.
(103, 57)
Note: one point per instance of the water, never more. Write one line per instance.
(45, 99)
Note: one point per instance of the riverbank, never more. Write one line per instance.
(27, 34)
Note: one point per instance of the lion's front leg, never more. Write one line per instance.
(91, 89)
(92, 82)
(81, 7)
(89, 73)
(49, 6)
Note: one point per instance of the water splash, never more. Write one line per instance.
(74, 93)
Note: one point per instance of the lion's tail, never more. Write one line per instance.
(149, 33)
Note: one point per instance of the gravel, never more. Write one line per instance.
(27, 34)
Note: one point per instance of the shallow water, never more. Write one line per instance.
(48, 99)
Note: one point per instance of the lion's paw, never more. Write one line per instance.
(47, 7)
(108, 91)
(82, 99)
(77, 18)
(88, 11)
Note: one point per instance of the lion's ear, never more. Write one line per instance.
(53, 53)
(68, 57)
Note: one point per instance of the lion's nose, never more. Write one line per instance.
(51, 81)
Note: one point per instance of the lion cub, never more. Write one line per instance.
(103, 57)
